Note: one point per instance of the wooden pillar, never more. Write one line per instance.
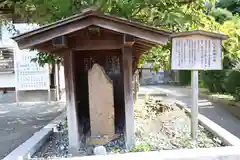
(128, 95)
(73, 132)
(57, 86)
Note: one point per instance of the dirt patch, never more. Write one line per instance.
(168, 129)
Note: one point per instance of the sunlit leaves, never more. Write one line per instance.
(232, 45)
(42, 58)
(173, 15)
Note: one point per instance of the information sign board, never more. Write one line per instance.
(196, 53)
(30, 76)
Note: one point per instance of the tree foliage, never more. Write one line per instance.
(231, 5)
(232, 44)
(221, 15)
(174, 15)
(237, 66)
(43, 58)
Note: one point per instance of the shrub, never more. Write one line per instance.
(201, 84)
(142, 148)
(237, 94)
(214, 80)
(232, 82)
(237, 66)
(184, 78)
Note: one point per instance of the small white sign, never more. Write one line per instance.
(196, 53)
(30, 76)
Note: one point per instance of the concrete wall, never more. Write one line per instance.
(149, 77)
(7, 80)
(61, 78)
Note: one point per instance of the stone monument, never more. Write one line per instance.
(101, 105)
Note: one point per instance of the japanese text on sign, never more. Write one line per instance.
(196, 54)
(30, 76)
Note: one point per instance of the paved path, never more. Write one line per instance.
(212, 111)
(18, 123)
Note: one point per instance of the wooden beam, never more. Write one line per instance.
(128, 95)
(140, 50)
(146, 43)
(51, 49)
(142, 47)
(60, 42)
(135, 64)
(53, 33)
(73, 132)
(98, 45)
(128, 40)
(137, 53)
(131, 30)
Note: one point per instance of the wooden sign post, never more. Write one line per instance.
(196, 50)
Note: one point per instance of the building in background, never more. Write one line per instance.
(17, 73)
(148, 76)
(7, 76)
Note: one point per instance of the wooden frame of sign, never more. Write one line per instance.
(196, 50)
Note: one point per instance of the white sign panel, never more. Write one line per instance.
(30, 76)
(196, 53)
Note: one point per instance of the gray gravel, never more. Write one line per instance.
(57, 146)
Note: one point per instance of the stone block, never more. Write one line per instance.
(101, 102)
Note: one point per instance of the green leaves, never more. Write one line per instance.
(174, 15)
(231, 5)
(232, 45)
(237, 66)
(43, 58)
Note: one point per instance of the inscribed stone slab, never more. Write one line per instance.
(101, 103)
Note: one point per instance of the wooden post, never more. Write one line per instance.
(194, 109)
(128, 96)
(57, 81)
(73, 132)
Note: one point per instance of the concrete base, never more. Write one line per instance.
(36, 96)
(73, 151)
(221, 153)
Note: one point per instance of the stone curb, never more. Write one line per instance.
(219, 100)
(225, 136)
(29, 147)
(232, 107)
(152, 94)
(219, 153)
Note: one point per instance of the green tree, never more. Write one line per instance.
(232, 44)
(237, 66)
(221, 15)
(174, 15)
(231, 5)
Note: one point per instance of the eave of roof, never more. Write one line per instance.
(200, 32)
(85, 15)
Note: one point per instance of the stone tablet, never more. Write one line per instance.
(101, 103)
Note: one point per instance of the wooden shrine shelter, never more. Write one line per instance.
(113, 43)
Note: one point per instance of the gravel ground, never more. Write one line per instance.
(169, 129)
(159, 126)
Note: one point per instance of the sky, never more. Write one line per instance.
(24, 27)
(7, 41)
